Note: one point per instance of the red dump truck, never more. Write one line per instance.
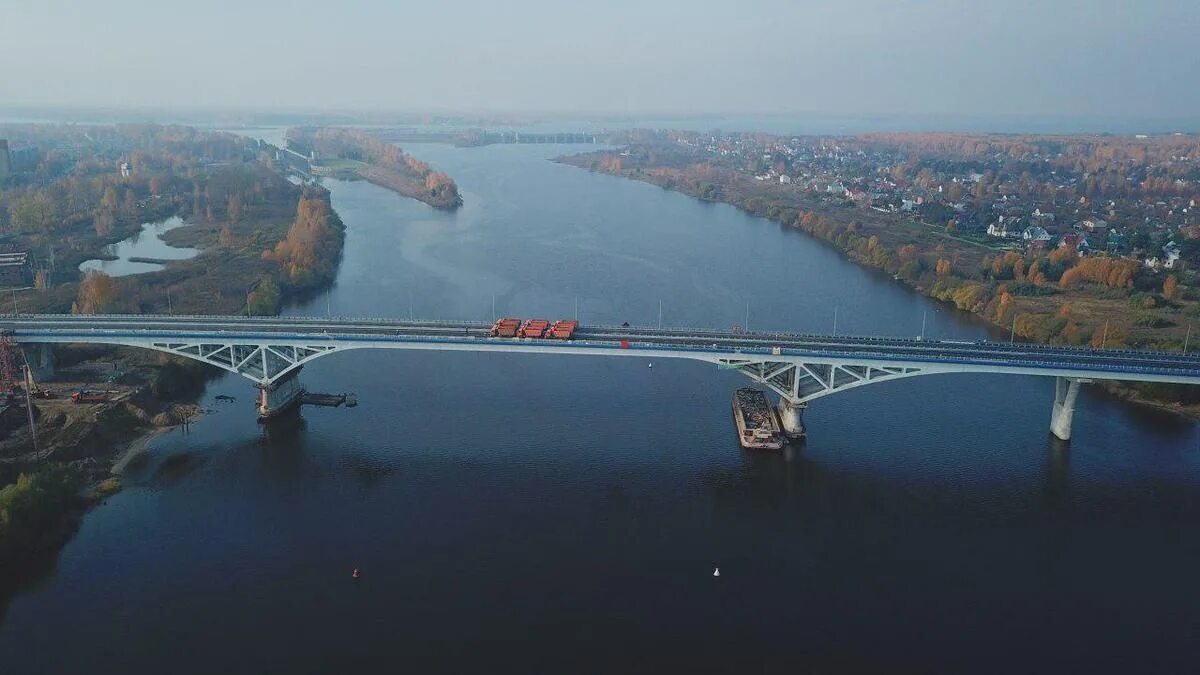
(533, 328)
(506, 328)
(89, 396)
(563, 329)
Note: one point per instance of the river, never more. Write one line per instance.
(544, 513)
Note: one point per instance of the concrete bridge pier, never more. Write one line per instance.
(1066, 390)
(791, 416)
(40, 358)
(280, 396)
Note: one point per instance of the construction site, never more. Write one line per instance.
(81, 405)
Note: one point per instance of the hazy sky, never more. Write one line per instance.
(1054, 57)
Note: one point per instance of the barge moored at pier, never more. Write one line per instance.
(758, 427)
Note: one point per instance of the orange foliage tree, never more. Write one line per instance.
(315, 230)
(1170, 287)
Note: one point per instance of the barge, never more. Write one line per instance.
(758, 427)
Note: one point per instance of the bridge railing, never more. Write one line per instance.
(691, 332)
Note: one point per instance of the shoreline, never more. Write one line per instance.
(137, 447)
(1116, 388)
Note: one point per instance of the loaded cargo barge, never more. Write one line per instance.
(757, 426)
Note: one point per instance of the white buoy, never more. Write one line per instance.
(649, 365)
(716, 571)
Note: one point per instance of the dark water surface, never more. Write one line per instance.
(543, 513)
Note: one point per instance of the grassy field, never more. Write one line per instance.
(338, 166)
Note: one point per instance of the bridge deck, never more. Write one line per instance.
(706, 344)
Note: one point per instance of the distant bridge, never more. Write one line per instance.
(800, 368)
(477, 137)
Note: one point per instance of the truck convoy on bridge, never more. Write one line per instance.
(534, 328)
(506, 328)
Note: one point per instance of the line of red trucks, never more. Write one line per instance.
(534, 328)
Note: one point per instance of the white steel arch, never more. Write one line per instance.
(268, 351)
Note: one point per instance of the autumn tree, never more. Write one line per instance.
(103, 223)
(1111, 272)
(1170, 287)
(301, 254)
(97, 293)
(35, 213)
(1034, 274)
(234, 208)
(109, 200)
(1004, 307)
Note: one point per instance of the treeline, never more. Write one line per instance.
(1033, 166)
(387, 164)
(996, 288)
(81, 197)
(32, 507)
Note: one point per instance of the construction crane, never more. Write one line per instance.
(32, 387)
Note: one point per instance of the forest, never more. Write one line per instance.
(96, 185)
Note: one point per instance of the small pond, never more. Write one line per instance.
(147, 244)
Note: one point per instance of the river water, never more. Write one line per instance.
(146, 244)
(538, 513)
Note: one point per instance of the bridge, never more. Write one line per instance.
(270, 352)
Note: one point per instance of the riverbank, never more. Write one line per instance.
(49, 489)
(939, 265)
(267, 242)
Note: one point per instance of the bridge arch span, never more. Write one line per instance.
(799, 368)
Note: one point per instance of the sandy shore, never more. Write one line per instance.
(136, 447)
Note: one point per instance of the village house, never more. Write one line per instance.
(1043, 217)
(1006, 227)
(1170, 256)
(1074, 240)
(1092, 225)
(1035, 236)
(14, 268)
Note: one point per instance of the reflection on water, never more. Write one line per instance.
(148, 244)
